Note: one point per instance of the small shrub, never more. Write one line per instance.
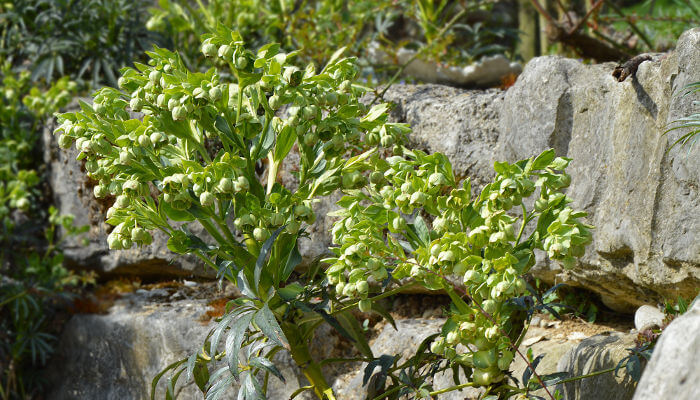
(196, 156)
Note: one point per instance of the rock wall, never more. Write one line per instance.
(641, 195)
(115, 356)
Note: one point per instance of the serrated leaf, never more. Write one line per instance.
(267, 365)
(353, 327)
(235, 340)
(266, 321)
(292, 261)
(262, 257)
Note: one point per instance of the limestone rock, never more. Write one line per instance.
(647, 317)
(672, 372)
(642, 198)
(593, 354)
(115, 356)
(488, 71)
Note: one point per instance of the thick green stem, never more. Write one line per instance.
(311, 370)
(272, 172)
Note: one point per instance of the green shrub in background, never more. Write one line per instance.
(32, 277)
(318, 27)
(34, 285)
(196, 156)
(88, 40)
(24, 109)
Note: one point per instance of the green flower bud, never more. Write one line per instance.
(472, 276)
(209, 49)
(100, 191)
(492, 333)
(362, 287)
(387, 141)
(376, 177)
(65, 141)
(261, 234)
(302, 210)
(225, 52)
(438, 345)
(154, 76)
(276, 219)
(486, 377)
(156, 137)
(172, 103)
(310, 139)
(22, 204)
(225, 185)
(436, 179)
(126, 243)
(339, 288)
(138, 234)
(179, 113)
(489, 306)
(275, 102)
(243, 183)
(446, 256)
(292, 227)
(136, 104)
(452, 337)
(113, 242)
(365, 305)
(215, 93)
(207, 199)
(241, 62)
(121, 202)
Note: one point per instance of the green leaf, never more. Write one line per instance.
(336, 55)
(376, 112)
(156, 379)
(421, 230)
(267, 365)
(542, 161)
(266, 321)
(235, 340)
(353, 328)
(201, 376)
(173, 214)
(292, 261)
(177, 243)
(285, 142)
(262, 257)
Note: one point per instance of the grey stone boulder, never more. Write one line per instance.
(672, 372)
(462, 124)
(115, 356)
(598, 353)
(641, 195)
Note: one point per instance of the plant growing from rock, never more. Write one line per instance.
(196, 154)
(208, 149)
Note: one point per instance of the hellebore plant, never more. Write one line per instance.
(209, 147)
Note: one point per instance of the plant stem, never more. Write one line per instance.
(522, 227)
(592, 374)
(272, 172)
(311, 369)
(450, 389)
